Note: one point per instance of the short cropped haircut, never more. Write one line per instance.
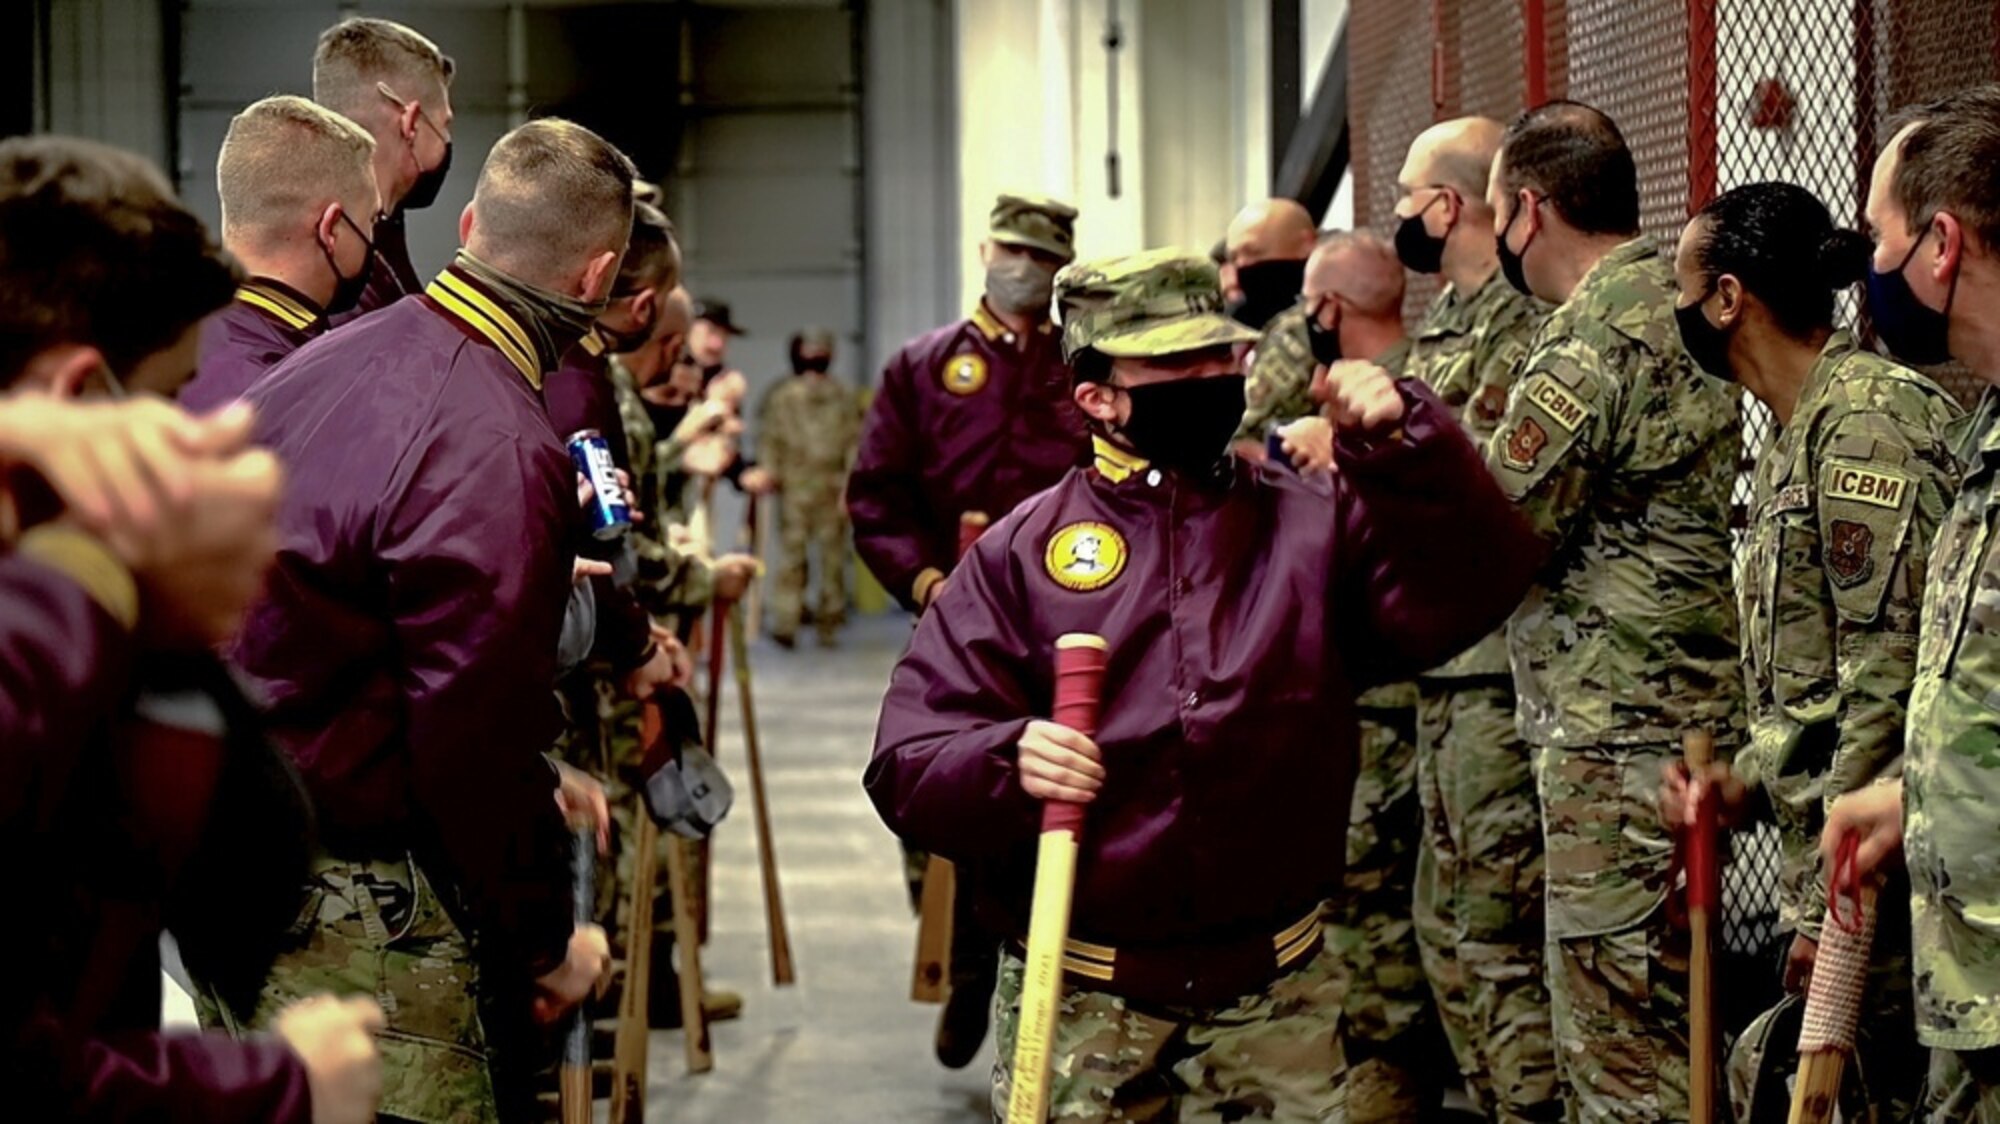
(552, 195)
(1575, 157)
(1372, 279)
(355, 54)
(96, 251)
(652, 258)
(1949, 161)
(283, 159)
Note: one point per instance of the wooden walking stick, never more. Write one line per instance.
(698, 880)
(1080, 659)
(1833, 998)
(934, 907)
(767, 854)
(574, 1082)
(1704, 892)
(628, 1055)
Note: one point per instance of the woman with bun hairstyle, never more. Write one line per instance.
(1846, 499)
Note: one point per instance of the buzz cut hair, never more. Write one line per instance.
(357, 54)
(283, 160)
(1947, 163)
(1372, 279)
(552, 195)
(96, 251)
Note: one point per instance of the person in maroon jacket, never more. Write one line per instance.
(396, 84)
(298, 213)
(407, 645)
(1244, 607)
(969, 419)
(147, 534)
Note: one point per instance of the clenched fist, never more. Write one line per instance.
(1058, 763)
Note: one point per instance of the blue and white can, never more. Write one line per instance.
(610, 515)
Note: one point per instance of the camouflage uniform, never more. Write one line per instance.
(1951, 784)
(376, 928)
(808, 430)
(1847, 500)
(1275, 1055)
(1279, 387)
(1623, 456)
(1479, 882)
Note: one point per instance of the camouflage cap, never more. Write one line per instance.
(1160, 302)
(813, 339)
(1034, 221)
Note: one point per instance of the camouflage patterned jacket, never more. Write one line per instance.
(1951, 764)
(1469, 350)
(670, 582)
(1845, 504)
(1279, 388)
(1623, 456)
(807, 430)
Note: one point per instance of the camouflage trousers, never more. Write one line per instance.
(1272, 1056)
(1479, 890)
(377, 928)
(1963, 1088)
(1389, 1026)
(1617, 970)
(811, 520)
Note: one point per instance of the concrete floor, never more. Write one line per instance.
(844, 1043)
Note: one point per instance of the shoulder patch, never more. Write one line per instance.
(1561, 403)
(1866, 483)
(1849, 552)
(963, 374)
(1085, 556)
(1490, 404)
(1521, 447)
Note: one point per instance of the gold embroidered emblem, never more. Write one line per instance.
(1085, 556)
(964, 374)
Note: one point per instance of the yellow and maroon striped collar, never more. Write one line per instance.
(465, 299)
(990, 326)
(281, 303)
(1113, 463)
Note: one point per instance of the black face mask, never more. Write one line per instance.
(1915, 332)
(1706, 344)
(1325, 342)
(425, 191)
(811, 364)
(1269, 287)
(1511, 264)
(1184, 424)
(347, 290)
(1418, 250)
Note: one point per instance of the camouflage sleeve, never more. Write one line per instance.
(1280, 385)
(1879, 507)
(774, 438)
(1546, 449)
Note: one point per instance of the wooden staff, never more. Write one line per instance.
(1833, 999)
(1080, 659)
(628, 1057)
(1704, 891)
(574, 1077)
(767, 855)
(698, 873)
(940, 885)
(694, 1018)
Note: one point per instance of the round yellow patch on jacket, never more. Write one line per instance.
(1085, 556)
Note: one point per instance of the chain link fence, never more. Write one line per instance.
(1710, 94)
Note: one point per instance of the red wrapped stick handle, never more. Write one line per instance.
(971, 525)
(1080, 658)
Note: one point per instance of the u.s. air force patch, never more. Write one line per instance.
(964, 374)
(1850, 552)
(1523, 445)
(1085, 556)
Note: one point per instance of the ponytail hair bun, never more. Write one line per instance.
(1844, 257)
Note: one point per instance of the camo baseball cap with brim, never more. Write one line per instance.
(1035, 221)
(1162, 302)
